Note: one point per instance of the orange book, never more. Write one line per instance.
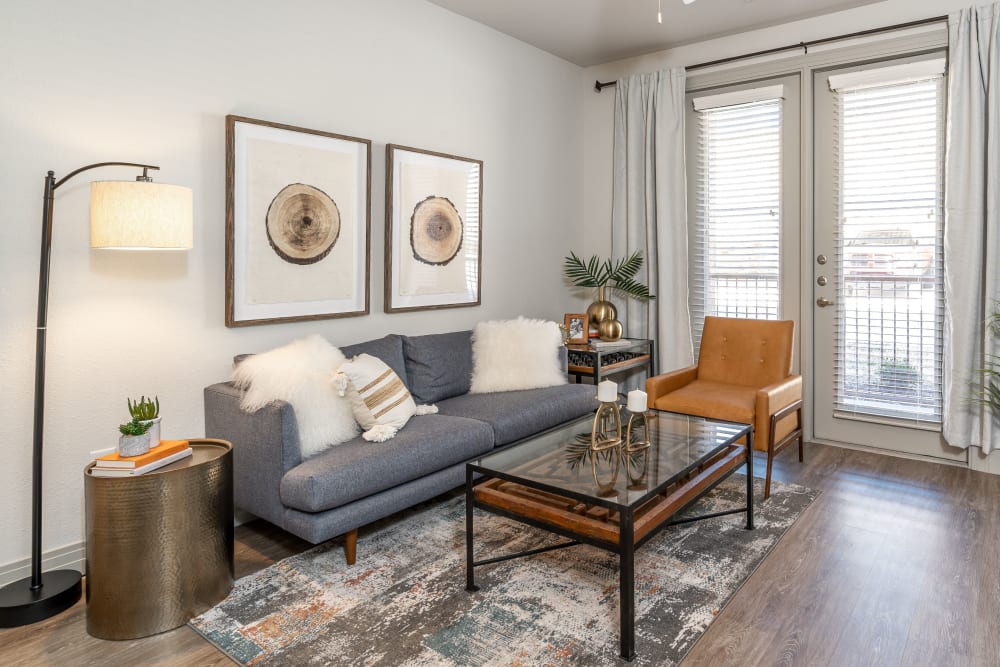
(164, 449)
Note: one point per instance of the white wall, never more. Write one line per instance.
(152, 82)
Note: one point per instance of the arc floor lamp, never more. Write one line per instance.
(136, 214)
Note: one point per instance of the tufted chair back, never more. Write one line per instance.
(752, 353)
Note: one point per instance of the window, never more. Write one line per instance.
(888, 145)
(735, 234)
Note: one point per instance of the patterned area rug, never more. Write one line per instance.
(404, 603)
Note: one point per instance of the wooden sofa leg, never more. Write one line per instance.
(351, 546)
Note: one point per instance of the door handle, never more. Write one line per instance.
(823, 303)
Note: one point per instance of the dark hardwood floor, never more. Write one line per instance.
(896, 563)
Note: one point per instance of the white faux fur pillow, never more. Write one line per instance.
(516, 354)
(302, 374)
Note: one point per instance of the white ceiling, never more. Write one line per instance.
(591, 32)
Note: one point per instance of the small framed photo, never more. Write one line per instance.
(298, 216)
(576, 325)
(433, 244)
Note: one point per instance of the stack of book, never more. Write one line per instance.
(610, 344)
(114, 465)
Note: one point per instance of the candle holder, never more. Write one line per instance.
(609, 488)
(636, 470)
(634, 443)
(608, 416)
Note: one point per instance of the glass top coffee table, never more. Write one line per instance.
(613, 500)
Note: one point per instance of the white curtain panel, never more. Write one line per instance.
(649, 209)
(972, 225)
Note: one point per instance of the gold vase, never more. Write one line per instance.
(610, 330)
(601, 310)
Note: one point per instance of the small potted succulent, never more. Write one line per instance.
(147, 411)
(134, 440)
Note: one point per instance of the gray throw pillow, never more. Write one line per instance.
(388, 348)
(438, 366)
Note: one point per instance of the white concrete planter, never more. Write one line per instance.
(133, 445)
(154, 431)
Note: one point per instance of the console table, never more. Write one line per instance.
(598, 362)
(159, 545)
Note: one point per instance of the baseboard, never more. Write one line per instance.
(888, 452)
(69, 557)
(988, 463)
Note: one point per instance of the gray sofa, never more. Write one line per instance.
(357, 482)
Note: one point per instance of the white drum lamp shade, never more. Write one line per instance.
(141, 215)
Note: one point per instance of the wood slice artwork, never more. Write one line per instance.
(435, 231)
(303, 224)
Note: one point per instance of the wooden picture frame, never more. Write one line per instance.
(579, 324)
(298, 223)
(433, 230)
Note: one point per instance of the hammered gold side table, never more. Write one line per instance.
(160, 545)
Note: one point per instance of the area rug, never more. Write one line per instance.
(404, 603)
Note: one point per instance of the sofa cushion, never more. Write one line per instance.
(518, 414)
(716, 400)
(358, 468)
(438, 366)
(388, 348)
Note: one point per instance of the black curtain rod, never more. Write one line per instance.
(600, 85)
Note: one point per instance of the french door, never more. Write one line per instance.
(877, 273)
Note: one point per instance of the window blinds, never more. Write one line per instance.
(889, 146)
(735, 240)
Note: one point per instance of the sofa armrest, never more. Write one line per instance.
(665, 383)
(265, 447)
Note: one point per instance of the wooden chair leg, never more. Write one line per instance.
(351, 546)
(787, 440)
(770, 461)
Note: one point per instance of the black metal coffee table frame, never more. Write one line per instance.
(477, 474)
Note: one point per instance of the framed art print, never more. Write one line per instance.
(298, 219)
(577, 328)
(433, 247)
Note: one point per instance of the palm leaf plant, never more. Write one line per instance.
(610, 273)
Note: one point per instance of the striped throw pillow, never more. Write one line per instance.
(381, 402)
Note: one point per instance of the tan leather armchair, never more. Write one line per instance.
(744, 374)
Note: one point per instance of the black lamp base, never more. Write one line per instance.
(19, 605)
